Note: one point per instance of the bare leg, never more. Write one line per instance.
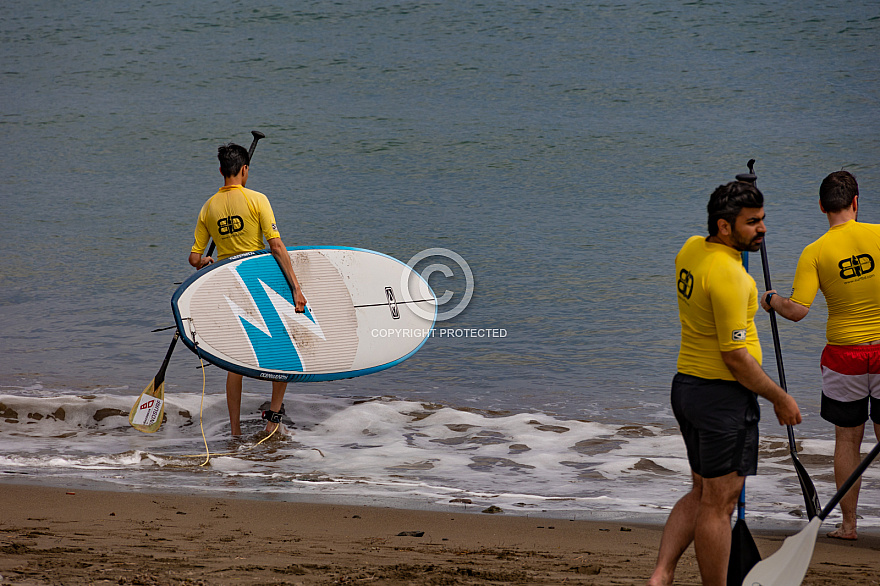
(233, 401)
(278, 390)
(677, 534)
(848, 441)
(712, 535)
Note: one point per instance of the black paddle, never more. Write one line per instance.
(156, 387)
(257, 136)
(811, 498)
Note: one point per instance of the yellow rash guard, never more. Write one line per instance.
(237, 219)
(842, 263)
(717, 301)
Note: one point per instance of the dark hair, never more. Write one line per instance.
(838, 191)
(726, 202)
(232, 158)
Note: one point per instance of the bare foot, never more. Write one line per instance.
(659, 579)
(277, 429)
(841, 534)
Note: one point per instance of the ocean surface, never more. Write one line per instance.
(564, 150)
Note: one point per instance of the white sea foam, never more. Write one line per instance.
(369, 450)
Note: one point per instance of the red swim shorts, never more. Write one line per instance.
(850, 384)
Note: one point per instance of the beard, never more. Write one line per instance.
(744, 244)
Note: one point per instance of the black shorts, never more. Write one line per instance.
(719, 422)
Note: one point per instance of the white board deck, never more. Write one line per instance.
(366, 312)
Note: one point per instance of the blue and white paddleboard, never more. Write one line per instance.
(366, 312)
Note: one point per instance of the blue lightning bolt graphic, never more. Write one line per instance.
(272, 345)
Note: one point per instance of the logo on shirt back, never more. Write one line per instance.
(230, 225)
(856, 266)
(685, 283)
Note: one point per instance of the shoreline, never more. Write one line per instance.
(650, 518)
(84, 536)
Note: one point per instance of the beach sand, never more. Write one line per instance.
(73, 536)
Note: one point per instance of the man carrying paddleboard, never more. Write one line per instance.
(719, 374)
(842, 264)
(237, 219)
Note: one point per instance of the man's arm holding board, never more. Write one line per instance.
(198, 261)
(279, 251)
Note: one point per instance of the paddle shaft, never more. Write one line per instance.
(776, 345)
(811, 497)
(160, 376)
(765, 266)
(257, 136)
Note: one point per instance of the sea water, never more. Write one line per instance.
(562, 150)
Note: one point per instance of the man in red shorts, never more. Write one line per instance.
(842, 264)
(719, 374)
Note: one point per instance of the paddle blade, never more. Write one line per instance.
(744, 554)
(788, 566)
(146, 413)
(811, 498)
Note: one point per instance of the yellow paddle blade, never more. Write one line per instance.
(146, 413)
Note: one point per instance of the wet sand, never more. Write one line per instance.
(73, 536)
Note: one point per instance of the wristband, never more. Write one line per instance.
(768, 298)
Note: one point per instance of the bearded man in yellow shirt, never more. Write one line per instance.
(237, 219)
(842, 264)
(719, 375)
